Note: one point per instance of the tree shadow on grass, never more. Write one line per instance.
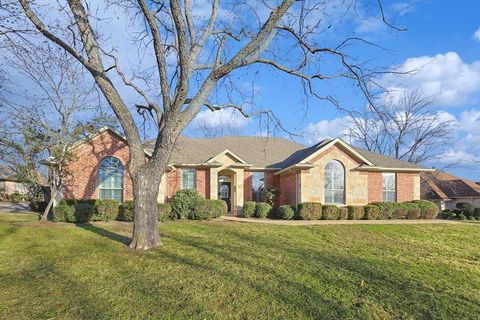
(104, 233)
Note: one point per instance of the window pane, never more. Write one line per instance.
(334, 183)
(389, 187)
(111, 179)
(189, 178)
(258, 186)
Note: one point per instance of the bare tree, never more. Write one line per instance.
(57, 109)
(194, 59)
(405, 128)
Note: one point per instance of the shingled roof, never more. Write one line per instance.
(263, 152)
(441, 185)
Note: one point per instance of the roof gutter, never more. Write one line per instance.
(367, 168)
(295, 167)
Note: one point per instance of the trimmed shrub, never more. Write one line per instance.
(202, 211)
(64, 212)
(413, 211)
(127, 211)
(84, 212)
(74, 202)
(309, 211)
(165, 212)
(428, 210)
(452, 215)
(106, 210)
(183, 203)
(342, 213)
(461, 216)
(355, 212)
(16, 197)
(219, 208)
(467, 208)
(262, 210)
(472, 218)
(249, 209)
(476, 213)
(286, 212)
(329, 212)
(400, 211)
(371, 212)
(386, 209)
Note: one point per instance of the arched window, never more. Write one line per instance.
(111, 179)
(334, 183)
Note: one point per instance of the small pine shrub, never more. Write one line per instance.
(219, 208)
(165, 212)
(249, 209)
(342, 213)
(355, 212)
(371, 212)
(127, 211)
(329, 212)
(309, 211)
(286, 212)
(262, 210)
(183, 203)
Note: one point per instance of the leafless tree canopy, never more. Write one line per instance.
(199, 50)
(406, 128)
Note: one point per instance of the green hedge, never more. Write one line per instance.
(219, 208)
(355, 212)
(429, 210)
(127, 211)
(165, 212)
(467, 208)
(106, 210)
(342, 213)
(413, 211)
(64, 212)
(262, 210)
(371, 212)
(285, 212)
(309, 211)
(329, 212)
(249, 209)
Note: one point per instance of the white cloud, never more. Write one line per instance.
(224, 120)
(370, 25)
(403, 7)
(476, 35)
(315, 132)
(445, 77)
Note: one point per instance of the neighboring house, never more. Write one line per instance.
(446, 190)
(239, 168)
(9, 183)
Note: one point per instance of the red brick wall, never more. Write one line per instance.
(174, 182)
(203, 182)
(288, 188)
(82, 181)
(247, 186)
(375, 188)
(272, 181)
(405, 186)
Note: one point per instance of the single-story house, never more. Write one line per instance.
(239, 168)
(10, 183)
(446, 190)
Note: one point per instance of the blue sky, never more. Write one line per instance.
(440, 38)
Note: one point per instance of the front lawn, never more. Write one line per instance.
(221, 270)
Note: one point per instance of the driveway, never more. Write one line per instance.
(11, 207)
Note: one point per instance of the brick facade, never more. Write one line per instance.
(82, 179)
(288, 188)
(361, 187)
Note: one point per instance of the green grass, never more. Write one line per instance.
(220, 270)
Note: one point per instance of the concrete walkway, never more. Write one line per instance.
(331, 222)
(11, 207)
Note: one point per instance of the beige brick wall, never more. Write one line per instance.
(312, 180)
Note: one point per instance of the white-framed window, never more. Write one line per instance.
(258, 185)
(334, 183)
(111, 179)
(189, 178)
(389, 187)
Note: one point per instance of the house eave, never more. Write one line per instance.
(295, 167)
(385, 169)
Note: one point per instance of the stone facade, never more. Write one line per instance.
(294, 186)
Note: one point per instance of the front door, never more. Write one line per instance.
(224, 192)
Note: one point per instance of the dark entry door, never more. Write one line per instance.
(224, 192)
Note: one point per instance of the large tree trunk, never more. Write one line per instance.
(145, 192)
(53, 196)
